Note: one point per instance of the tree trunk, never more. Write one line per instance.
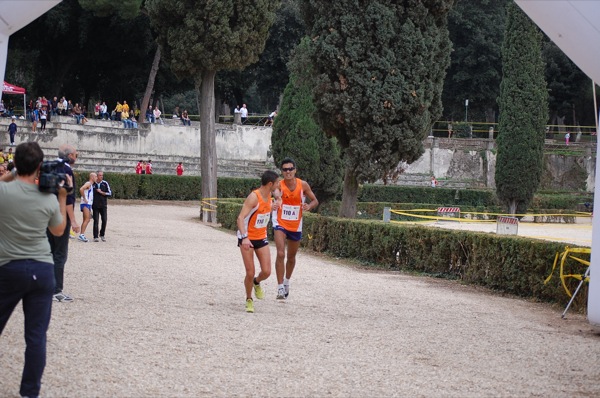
(208, 148)
(490, 115)
(512, 207)
(350, 195)
(150, 85)
(217, 107)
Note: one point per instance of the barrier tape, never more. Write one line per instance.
(440, 218)
(204, 203)
(577, 214)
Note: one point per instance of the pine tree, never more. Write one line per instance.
(201, 37)
(297, 135)
(523, 105)
(379, 70)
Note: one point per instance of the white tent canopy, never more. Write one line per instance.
(14, 15)
(574, 26)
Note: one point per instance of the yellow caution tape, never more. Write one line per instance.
(204, 204)
(441, 218)
(408, 213)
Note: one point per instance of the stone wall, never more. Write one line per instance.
(244, 151)
(463, 162)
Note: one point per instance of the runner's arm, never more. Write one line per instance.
(314, 202)
(250, 202)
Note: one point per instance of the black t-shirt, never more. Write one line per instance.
(66, 169)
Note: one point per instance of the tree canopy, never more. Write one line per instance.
(201, 37)
(103, 50)
(523, 106)
(476, 31)
(126, 9)
(379, 68)
(297, 135)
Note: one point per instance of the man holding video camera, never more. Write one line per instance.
(67, 155)
(26, 263)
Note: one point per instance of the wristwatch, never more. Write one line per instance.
(244, 236)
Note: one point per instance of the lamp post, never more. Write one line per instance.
(466, 110)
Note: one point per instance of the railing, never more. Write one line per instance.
(490, 130)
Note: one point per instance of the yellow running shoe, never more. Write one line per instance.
(249, 305)
(259, 292)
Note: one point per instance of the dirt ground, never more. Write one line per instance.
(159, 312)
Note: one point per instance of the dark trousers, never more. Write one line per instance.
(99, 212)
(12, 137)
(33, 282)
(59, 245)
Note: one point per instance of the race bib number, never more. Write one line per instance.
(262, 220)
(290, 213)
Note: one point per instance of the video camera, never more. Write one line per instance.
(51, 179)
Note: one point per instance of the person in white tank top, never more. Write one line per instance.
(87, 198)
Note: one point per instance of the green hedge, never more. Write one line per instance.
(165, 187)
(169, 187)
(508, 264)
(441, 196)
(374, 211)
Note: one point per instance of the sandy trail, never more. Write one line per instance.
(159, 312)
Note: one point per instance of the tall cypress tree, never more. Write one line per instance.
(379, 70)
(523, 105)
(296, 134)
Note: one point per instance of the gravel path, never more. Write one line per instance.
(159, 312)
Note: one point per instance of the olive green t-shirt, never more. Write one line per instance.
(25, 213)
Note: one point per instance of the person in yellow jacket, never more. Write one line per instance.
(118, 111)
(287, 223)
(252, 235)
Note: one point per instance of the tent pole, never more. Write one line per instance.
(595, 105)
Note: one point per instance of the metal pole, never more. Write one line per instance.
(595, 106)
(387, 215)
(587, 273)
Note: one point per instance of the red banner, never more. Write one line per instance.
(12, 89)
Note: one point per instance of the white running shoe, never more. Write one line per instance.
(280, 293)
(83, 238)
(286, 290)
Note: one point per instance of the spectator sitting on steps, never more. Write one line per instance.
(150, 115)
(157, 114)
(185, 118)
(77, 113)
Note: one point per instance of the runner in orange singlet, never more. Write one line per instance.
(252, 235)
(287, 223)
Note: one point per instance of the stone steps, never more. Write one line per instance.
(424, 180)
(165, 164)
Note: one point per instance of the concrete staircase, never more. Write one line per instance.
(164, 164)
(424, 180)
